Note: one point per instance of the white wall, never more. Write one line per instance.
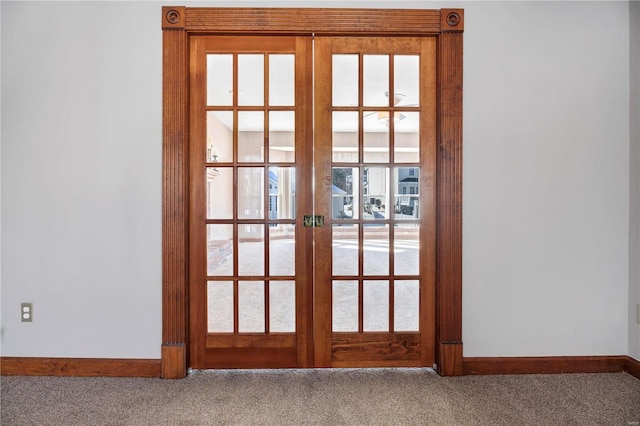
(81, 179)
(546, 169)
(634, 182)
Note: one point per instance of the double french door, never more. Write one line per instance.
(312, 201)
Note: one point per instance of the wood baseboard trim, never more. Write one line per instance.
(80, 367)
(633, 367)
(545, 365)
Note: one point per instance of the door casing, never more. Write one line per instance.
(179, 23)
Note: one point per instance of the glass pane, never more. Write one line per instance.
(376, 80)
(251, 307)
(281, 80)
(406, 79)
(345, 306)
(282, 306)
(344, 138)
(407, 138)
(376, 250)
(219, 136)
(219, 193)
(376, 137)
(250, 193)
(282, 246)
(251, 136)
(251, 80)
(406, 249)
(282, 136)
(345, 80)
(219, 79)
(219, 250)
(250, 249)
(376, 193)
(406, 198)
(375, 305)
(220, 306)
(406, 309)
(282, 192)
(344, 193)
(345, 249)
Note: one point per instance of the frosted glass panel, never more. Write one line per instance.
(282, 306)
(281, 80)
(251, 80)
(250, 249)
(219, 250)
(220, 306)
(345, 80)
(345, 306)
(219, 79)
(406, 305)
(375, 304)
(251, 307)
(345, 249)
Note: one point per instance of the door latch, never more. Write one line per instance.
(313, 221)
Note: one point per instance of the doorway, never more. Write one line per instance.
(313, 210)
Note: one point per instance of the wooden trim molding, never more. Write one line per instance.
(449, 205)
(551, 365)
(314, 21)
(87, 367)
(174, 195)
(633, 367)
(179, 22)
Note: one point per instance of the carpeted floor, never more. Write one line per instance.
(324, 397)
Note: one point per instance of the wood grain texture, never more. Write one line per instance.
(450, 359)
(80, 367)
(545, 365)
(452, 20)
(174, 361)
(318, 21)
(263, 341)
(449, 204)
(633, 367)
(173, 17)
(374, 347)
(175, 194)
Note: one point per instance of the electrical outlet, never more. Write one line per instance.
(638, 313)
(26, 312)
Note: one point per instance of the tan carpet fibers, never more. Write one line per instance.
(324, 397)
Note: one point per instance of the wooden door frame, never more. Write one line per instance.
(179, 22)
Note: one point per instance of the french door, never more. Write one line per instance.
(312, 236)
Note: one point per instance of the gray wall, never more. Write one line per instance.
(546, 178)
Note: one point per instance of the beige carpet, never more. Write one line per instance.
(324, 397)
